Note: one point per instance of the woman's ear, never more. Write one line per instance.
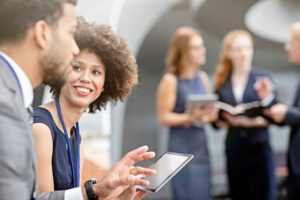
(42, 34)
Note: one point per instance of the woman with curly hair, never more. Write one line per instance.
(104, 70)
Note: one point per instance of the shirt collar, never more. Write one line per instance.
(24, 80)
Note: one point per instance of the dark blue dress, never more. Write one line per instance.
(250, 162)
(193, 182)
(62, 172)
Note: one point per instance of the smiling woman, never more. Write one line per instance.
(85, 79)
(104, 70)
(121, 68)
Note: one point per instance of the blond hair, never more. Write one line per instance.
(225, 65)
(178, 49)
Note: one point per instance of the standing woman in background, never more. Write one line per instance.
(186, 54)
(250, 162)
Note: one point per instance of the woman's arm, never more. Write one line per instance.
(166, 99)
(44, 148)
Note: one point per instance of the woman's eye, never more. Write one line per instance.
(77, 68)
(96, 72)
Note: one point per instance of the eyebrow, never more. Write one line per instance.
(97, 66)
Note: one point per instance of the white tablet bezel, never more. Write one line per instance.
(188, 159)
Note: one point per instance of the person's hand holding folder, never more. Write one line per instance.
(243, 121)
(204, 114)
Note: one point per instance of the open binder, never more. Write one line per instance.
(203, 100)
(254, 106)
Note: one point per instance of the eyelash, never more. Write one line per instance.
(77, 68)
(95, 72)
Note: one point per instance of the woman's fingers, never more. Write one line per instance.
(142, 170)
(137, 155)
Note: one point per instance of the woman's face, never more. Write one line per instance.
(292, 47)
(85, 79)
(241, 51)
(197, 51)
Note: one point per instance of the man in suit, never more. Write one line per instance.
(37, 45)
(284, 115)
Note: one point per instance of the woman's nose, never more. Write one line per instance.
(85, 77)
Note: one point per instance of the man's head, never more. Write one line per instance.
(46, 29)
(293, 45)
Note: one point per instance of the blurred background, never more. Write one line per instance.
(147, 26)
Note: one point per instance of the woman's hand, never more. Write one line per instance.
(263, 87)
(243, 121)
(123, 176)
(220, 124)
(131, 193)
(205, 114)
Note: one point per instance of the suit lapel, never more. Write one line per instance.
(248, 87)
(230, 94)
(11, 83)
(251, 94)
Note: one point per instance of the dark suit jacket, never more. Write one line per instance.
(252, 135)
(17, 147)
(292, 118)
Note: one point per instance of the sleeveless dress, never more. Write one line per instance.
(194, 180)
(61, 167)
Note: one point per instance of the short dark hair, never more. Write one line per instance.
(17, 16)
(120, 64)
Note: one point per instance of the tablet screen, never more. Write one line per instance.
(166, 166)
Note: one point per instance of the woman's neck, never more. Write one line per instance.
(189, 72)
(70, 113)
(241, 70)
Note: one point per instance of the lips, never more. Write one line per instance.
(83, 90)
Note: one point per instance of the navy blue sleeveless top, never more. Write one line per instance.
(190, 140)
(62, 172)
(185, 87)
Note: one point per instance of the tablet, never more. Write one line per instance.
(166, 166)
(194, 100)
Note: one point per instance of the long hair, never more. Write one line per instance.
(178, 49)
(224, 68)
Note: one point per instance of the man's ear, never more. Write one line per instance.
(42, 34)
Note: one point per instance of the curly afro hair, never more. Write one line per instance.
(121, 70)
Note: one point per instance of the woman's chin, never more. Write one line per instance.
(82, 103)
